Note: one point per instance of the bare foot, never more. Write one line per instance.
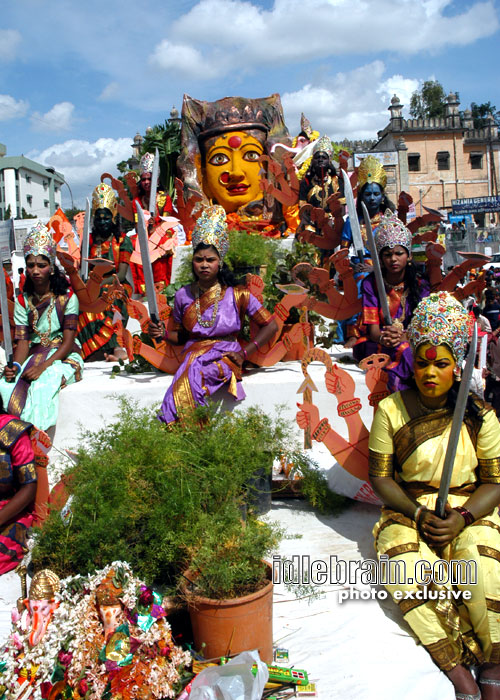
(350, 342)
(463, 680)
(117, 354)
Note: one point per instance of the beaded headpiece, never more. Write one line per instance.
(104, 197)
(45, 585)
(441, 319)
(392, 232)
(371, 170)
(40, 242)
(305, 125)
(323, 144)
(211, 229)
(146, 163)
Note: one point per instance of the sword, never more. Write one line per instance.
(146, 265)
(154, 186)
(386, 314)
(84, 264)
(456, 426)
(357, 238)
(4, 306)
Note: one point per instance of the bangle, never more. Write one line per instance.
(466, 515)
(257, 346)
(418, 513)
(349, 407)
(16, 364)
(321, 430)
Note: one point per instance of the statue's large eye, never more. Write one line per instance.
(219, 159)
(252, 156)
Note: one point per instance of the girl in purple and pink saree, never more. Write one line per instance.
(209, 314)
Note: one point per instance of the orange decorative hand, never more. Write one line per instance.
(339, 382)
(307, 416)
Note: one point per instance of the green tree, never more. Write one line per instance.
(8, 214)
(481, 112)
(429, 101)
(25, 215)
(167, 139)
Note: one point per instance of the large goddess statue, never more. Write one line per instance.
(221, 146)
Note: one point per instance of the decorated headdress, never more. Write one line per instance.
(305, 126)
(211, 229)
(107, 593)
(40, 242)
(441, 319)
(146, 163)
(104, 197)
(392, 232)
(44, 585)
(323, 144)
(371, 170)
(202, 120)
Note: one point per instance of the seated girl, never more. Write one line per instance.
(403, 290)
(407, 447)
(208, 316)
(46, 356)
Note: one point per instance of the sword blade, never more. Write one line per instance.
(386, 314)
(154, 185)
(146, 265)
(84, 263)
(357, 238)
(456, 426)
(4, 307)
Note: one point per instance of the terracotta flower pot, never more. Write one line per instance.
(233, 625)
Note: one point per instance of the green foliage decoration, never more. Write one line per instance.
(167, 500)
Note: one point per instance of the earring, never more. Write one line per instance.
(458, 373)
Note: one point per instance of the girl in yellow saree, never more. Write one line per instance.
(452, 608)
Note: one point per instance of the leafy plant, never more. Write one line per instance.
(163, 499)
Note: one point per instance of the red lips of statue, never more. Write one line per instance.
(238, 188)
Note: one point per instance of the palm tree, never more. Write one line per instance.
(167, 139)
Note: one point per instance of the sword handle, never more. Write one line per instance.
(440, 504)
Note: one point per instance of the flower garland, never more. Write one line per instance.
(252, 225)
(72, 656)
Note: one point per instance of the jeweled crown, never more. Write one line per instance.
(146, 163)
(392, 232)
(104, 197)
(323, 144)
(40, 242)
(441, 319)
(211, 229)
(371, 170)
(45, 585)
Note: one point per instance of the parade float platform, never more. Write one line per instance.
(359, 649)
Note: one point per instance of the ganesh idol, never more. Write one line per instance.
(221, 147)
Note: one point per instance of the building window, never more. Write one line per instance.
(443, 160)
(28, 178)
(45, 184)
(29, 199)
(414, 162)
(57, 205)
(46, 203)
(476, 161)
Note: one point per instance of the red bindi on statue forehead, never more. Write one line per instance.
(431, 353)
(235, 141)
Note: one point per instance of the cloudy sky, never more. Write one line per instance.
(79, 78)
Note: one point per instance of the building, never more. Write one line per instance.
(29, 186)
(440, 160)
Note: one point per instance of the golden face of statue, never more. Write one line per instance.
(232, 170)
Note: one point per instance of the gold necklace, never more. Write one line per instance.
(207, 324)
(45, 336)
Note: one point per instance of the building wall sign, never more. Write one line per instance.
(475, 205)
(385, 157)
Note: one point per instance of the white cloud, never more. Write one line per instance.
(83, 162)
(59, 118)
(186, 60)
(246, 36)
(11, 108)
(351, 104)
(10, 40)
(110, 92)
